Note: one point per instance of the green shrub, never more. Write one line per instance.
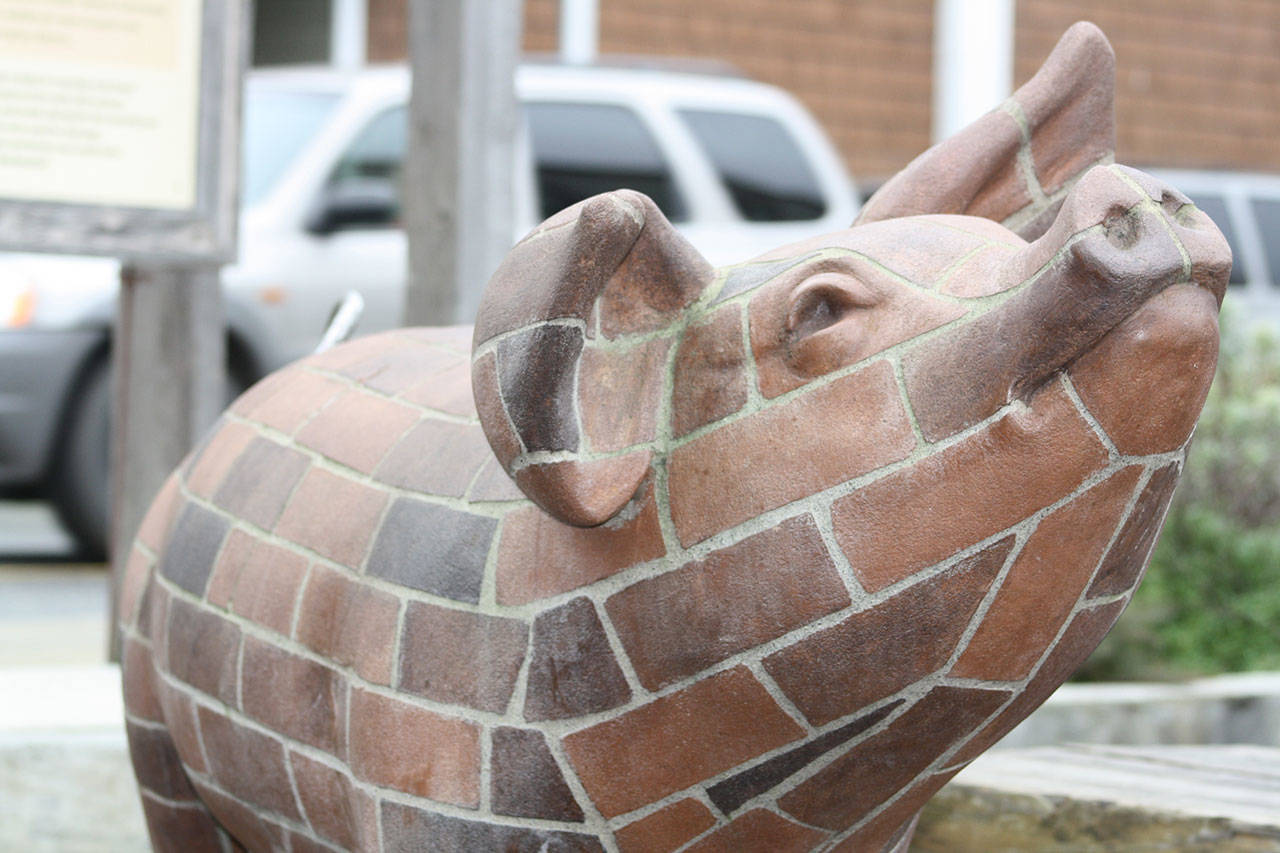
(1211, 598)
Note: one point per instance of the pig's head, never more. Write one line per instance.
(609, 353)
(971, 407)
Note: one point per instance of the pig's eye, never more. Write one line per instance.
(823, 301)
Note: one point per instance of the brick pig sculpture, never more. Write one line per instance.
(680, 558)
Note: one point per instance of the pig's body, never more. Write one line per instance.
(818, 583)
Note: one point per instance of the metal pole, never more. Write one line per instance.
(348, 33)
(579, 31)
(972, 61)
(459, 170)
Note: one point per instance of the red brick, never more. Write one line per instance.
(294, 696)
(849, 788)
(677, 741)
(619, 393)
(180, 829)
(1147, 380)
(349, 623)
(586, 493)
(710, 381)
(567, 557)
(497, 425)
(414, 750)
(1045, 581)
(336, 809)
(180, 717)
(460, 657)
(875, 653)
(246, 826)
(1122, 568)
(203, 648)
(357, 429)
(156, 764)
(494, 484)
(267, 584)
(401, 363)
(961, 495)
(788, 451)
(759, 829)
(437, 458)
(448, 391)
(679, 623)
(216, 458)
(572, 670)
(1081, 637)
(333, 516)
(139, 678)
(666, 829)
(155, 524)
(225, 574)
(260, 482)
(888, 827)
(295, 401)
(249, 764)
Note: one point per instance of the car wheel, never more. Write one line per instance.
(80, 481)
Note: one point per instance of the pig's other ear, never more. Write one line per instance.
(1015, 164)
(568, 361)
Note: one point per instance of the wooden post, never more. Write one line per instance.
(458, 183)
(168, 357)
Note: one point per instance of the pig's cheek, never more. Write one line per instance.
(1147, 379)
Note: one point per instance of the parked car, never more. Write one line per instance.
(735, 164)
(1246, 207)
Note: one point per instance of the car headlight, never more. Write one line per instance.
(17, 305)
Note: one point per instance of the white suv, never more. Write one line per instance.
(738, 167)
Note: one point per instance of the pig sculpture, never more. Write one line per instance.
(666, 557)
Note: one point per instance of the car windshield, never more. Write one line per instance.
(277, 124)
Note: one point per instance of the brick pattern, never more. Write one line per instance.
(802, 611)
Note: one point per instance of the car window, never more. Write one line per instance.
(1267, 213)
(760, 164)
(1216, 208)
(276, 127)
(580, 150)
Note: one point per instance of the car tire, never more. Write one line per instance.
(79, 484)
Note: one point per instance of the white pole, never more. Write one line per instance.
(579, 31)
(972, 61)
(348, 31)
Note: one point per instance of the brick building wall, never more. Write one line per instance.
(1198, 84)
(1197, 81)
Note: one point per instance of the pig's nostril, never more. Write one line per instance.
(1122, 229)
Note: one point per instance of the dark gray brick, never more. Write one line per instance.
(433, 548)
(199, 533)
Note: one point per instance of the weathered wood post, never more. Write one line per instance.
(458, 207)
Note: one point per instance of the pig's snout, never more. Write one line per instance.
(1119, 239)
(1129, 236)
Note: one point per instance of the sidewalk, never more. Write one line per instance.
(65, 781)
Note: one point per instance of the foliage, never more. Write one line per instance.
(1211, 598)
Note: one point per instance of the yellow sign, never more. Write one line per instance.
(99, 101)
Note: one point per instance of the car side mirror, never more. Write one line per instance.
(354, 204)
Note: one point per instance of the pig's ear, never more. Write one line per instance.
(569, 359)
(1016, 163)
